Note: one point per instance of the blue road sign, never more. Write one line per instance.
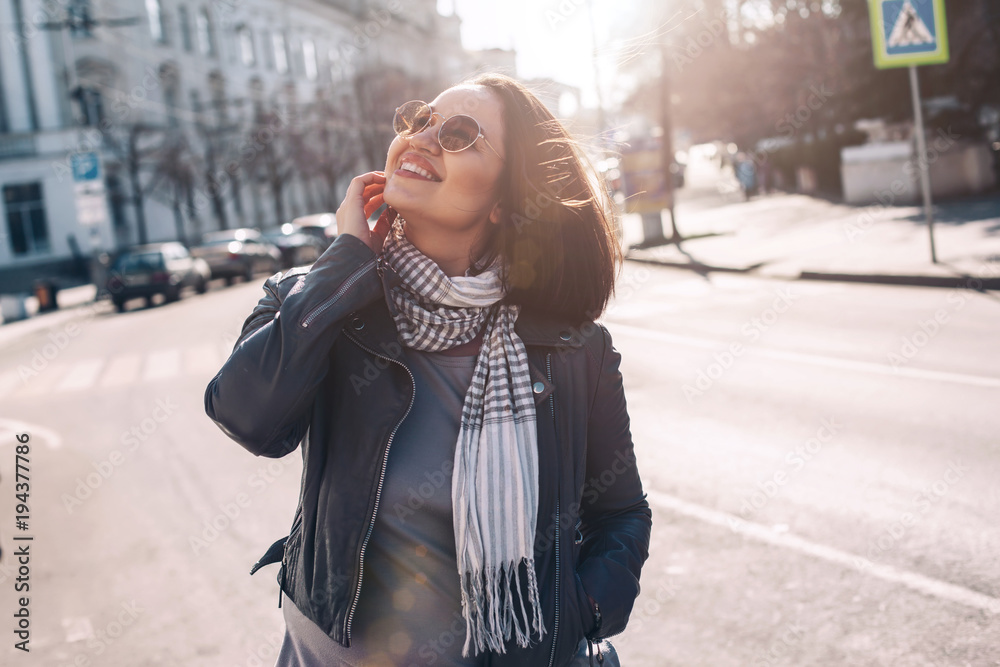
(86, 167)
(908, 32)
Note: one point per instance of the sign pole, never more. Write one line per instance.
(909, 33)
(925, 177)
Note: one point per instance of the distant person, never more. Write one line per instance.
(765, 174)
(469, 489)
(746, 174)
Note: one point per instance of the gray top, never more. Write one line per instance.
(410, 610)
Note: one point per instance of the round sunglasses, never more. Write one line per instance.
(455, 133)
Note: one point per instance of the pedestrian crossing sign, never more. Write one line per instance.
(908, 32)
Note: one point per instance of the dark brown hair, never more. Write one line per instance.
(556, 237)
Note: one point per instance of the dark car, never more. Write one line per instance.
(297, 248)
(156, 268)
(320, 226)
(237, 253)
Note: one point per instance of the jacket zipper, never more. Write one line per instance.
(552, 413)
(378, 491)
(351, 279)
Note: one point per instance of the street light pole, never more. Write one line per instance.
(667, 140)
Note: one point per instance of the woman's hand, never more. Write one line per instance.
(364, 196)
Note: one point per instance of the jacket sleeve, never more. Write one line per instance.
(261, 397)
(615, 519)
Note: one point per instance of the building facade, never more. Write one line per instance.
(130, 121)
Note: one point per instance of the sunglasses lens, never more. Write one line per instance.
(411, 118)
(458, 133)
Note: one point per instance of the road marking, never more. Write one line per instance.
(918, 582)
(81, 375)
(202, 359)
(39, 384)
(8, 382)
(122, 370)
(11, 427)
(77, 629)
(814, 359)
(162, 364)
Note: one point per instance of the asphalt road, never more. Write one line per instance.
(821, 459)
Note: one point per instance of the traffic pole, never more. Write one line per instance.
(925, 176)
(667, 145)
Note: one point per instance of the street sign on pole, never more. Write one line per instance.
(908, 33)
(88, 187)
(86, 166)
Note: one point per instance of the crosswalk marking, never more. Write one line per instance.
(8, 382)
(162, 364)
(115, 371)
(43, 381)
(81, 375)
(202, 359)
(122, 370)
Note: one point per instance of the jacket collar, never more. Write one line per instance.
(374, 328)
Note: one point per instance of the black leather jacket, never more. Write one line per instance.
(319, 362)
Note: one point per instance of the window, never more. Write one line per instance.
(185, 25)
(170, 84)
(26, 224)
(91, 105)
(206, 38)
(4, 124)
(280, 53)
(309, 59)
(247, 55)
(155, 12)
(217, 88)
(266, 41)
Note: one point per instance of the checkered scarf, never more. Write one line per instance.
(495, 482)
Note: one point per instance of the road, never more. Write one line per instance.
(821, 460)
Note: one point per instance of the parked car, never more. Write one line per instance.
(297, 248)
(237, 253)
(156, 268)
(321, 226)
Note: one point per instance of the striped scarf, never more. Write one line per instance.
(494, 486)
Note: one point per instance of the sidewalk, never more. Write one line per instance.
(73, 302)
(799, 237)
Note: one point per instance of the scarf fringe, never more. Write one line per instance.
(490, 615)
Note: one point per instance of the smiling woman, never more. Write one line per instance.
(456, 396)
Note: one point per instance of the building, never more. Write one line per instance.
(128, 121)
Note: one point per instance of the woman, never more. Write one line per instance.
(469, 490)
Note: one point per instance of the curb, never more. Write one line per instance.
(10, 332)
(962, 281)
